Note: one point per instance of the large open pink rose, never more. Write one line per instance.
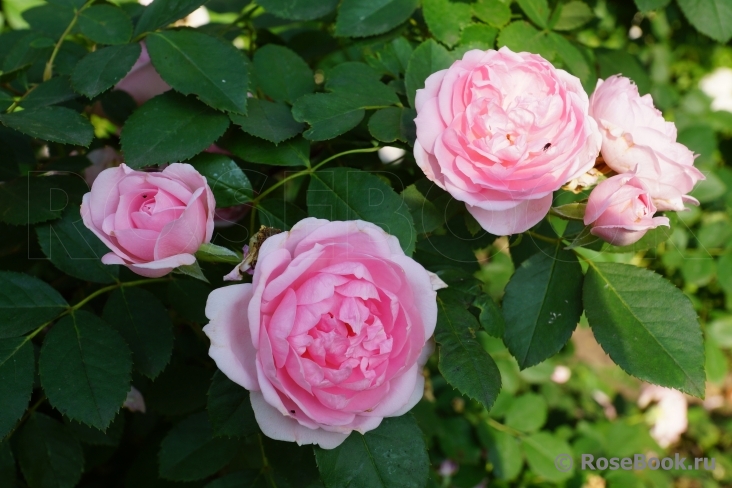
(332, 333)
(152, 222)
(501, 131)
(636, 137)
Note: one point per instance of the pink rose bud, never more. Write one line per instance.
(501, 131)
(152, 222)
(621, 211)
(636, 137)
(332, 333)
(143, 82)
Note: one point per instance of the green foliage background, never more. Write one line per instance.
(331, 82)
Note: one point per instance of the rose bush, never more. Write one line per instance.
(501, 131)
(152, 222)
(332, 333)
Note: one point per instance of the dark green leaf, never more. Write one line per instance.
(85, 369)
(392, 123)
(192, 62)
(51, 92)
(648, 5)
(293, 152)
(329, 114)
(493, 12)
(646, 325)
(362, 18)
(362, 83)
(491, 318)
(163, 12)
(170, 128)
(574, 14)
(446, 19)
(75, 250)
(180, 389)
(350, 194)
(279, 214)
(282, 74)
(542, 305)
(299, 9)
(393, 455)
(76, 4)
(536, 10)
(17, 371)
(228, 182)
(144, 324)
(615, 61)
(30, 200)
(106, 24)
(49, 19)
(7, 464)
(522, 36)
(573, 60)
(544, 452)
(710, 17)
(100, 70)
(189, 297)
(428, 58)
(190, 452)
(249, 478)
(95, 437)
(26, 303)
(56, 124)
(271, 121)
(48, 454)
(463, 361)
(229, 408)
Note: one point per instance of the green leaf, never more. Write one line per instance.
(574, 14)
(646, 325)
(362, 18)
(492, 12)
(69, 3)
(271, 121)
(491, 318)
(85, 369)
(95, 437)
(251, 478)
(527, 413)
(428, 58)
(362, 83)
(537, 11)
(392, 123)
(463, 361)
(143, 323)
(49, 19)
(446, 19)
(279, 214)
(106, 24)
(75, 250)
(216, 254)
(17, 371)
(190, 452)
(710, 17)
(30, 200)
(7, 464)
(299, 9)
(542, 305)
(228, 182)
(648, 5)
(293, 152)
(194, 63)
(51, 92)
(522, 36)
(229, 408)
(504, 452)
(193, 270)
(392, 455)
(163, 12)
(351, 194)
(282, 74)
(614, 61)
(329, 114)
(170, 128)
(48, 454)
(188, 297)
(26, 303)
(542, 451)
(478, 36)
(570, 211)
(55, 124)
(102, 69)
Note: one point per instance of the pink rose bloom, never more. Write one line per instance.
(332, 333)
(143, 82)
(152, 222)
(636, 137)
(501, 131)
(621, 211)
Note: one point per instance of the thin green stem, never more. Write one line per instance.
(19, 101)
(542, 238)
(101, 291)
(503, 428)
(48, 72)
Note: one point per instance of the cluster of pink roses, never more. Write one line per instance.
(501, 131)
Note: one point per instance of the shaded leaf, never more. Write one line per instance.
(100, 70)
(26, 303)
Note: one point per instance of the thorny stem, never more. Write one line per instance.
(48, 72)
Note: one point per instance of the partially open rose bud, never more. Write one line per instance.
(621, 211)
